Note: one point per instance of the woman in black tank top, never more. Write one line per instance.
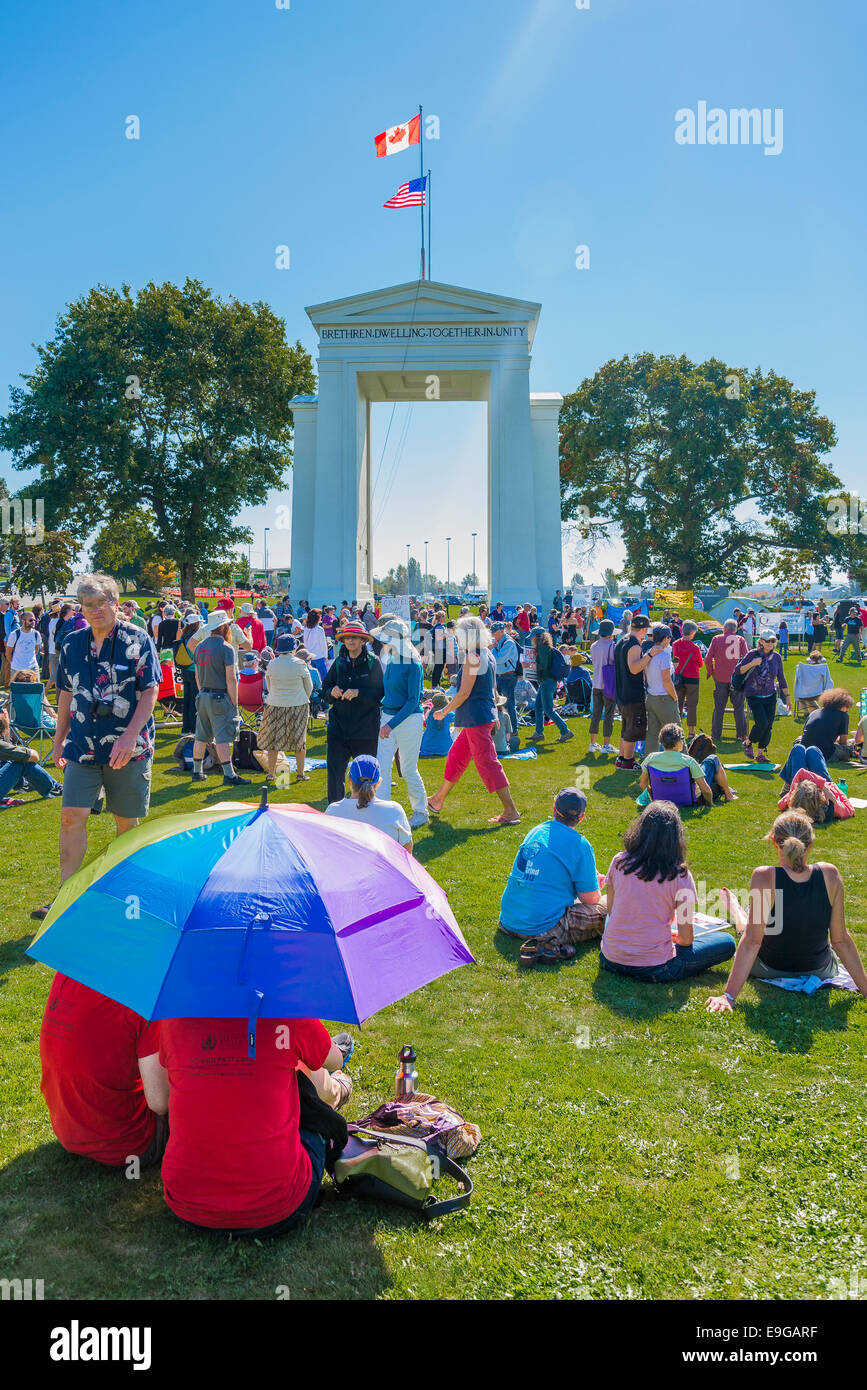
(796, 923)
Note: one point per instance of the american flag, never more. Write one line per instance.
(409, 195)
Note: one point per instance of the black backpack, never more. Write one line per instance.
(246, 745)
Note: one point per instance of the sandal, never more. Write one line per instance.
(433, 810)
(497, 820)
(529, 953)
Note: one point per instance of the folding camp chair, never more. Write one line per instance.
(677, 787)
(250, 698)
(170, 696)
(27, 719)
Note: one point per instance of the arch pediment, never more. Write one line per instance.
(425, 303)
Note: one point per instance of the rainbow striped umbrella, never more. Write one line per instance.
(240, 911)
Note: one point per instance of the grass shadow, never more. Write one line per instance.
(791, 1021)
(641, 1000)
(509, 947)
(139, 1250)
(12, 955)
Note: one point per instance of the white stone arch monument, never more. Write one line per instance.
(384, 346)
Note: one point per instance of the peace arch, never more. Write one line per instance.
(415, 342)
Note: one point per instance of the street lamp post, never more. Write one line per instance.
(426, 570)
(475, 581)
(448, 566)
(407, 571)
(267, 529)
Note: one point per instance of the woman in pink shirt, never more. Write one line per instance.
(651, 905)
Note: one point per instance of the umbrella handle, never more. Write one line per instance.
(253, 1007)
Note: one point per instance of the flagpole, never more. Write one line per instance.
(421, 176)
(428, 223)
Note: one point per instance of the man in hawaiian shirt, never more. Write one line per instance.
(107, 683)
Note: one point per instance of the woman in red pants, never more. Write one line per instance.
(475, 712)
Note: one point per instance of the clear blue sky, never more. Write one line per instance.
(557, 128)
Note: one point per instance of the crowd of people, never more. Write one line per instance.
(394, 693)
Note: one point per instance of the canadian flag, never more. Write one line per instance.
(399, 137)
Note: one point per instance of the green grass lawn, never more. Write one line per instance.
(675, 1155)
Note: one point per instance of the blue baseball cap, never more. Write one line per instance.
(365, 769)
(498, 627)
(286, 643)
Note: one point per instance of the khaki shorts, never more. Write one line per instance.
(127, 789)
(216, 718)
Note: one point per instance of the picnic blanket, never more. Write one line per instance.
(749, 767)
(858, 802)
(523, 754)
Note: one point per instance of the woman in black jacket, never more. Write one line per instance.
(353, 687)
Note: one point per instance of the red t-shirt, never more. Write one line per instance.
(90, 1046)
(522, 620)
(257, 631)
(688, 659)
(234, 1159)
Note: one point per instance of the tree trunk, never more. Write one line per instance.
(188, 580)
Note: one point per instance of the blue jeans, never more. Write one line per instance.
(545, 707)
(705, 951)
(13, 774)
(813, 759)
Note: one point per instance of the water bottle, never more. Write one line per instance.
(844, 787)
(406, 1080)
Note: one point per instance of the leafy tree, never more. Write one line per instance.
(470, 581)
(611, 580)
(45, 567)
(847, 528)
(124, 545)
(792, 570)
(416, 579)
(577, 580)
(672, 454)
(171, 399)
(158, 574)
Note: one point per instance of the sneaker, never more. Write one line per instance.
(346, 1043)
(564, 738)
(536, 738)
(39, 914)
(56, 790)
(419, 819)
(748, 749)
(625, 764)
(762, 757)
(236, 781)
(595, 748)
(198, 777)
(608, 748)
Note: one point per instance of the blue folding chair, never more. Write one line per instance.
(27, 718)
(677, 787)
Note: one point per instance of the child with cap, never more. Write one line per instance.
(364, 806)
(437, 737)
(552, 897)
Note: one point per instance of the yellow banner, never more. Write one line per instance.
(673, 598)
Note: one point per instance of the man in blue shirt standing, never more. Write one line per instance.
(107, 683)
(552, 897)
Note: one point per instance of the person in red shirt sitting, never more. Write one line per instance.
(688, 661)
(237, 1160)
(106, 1093)
(253, 627)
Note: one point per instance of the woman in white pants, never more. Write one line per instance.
(402, 722)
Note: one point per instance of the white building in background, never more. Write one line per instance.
(416, 342)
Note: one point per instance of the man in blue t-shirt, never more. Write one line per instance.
(551, 898)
